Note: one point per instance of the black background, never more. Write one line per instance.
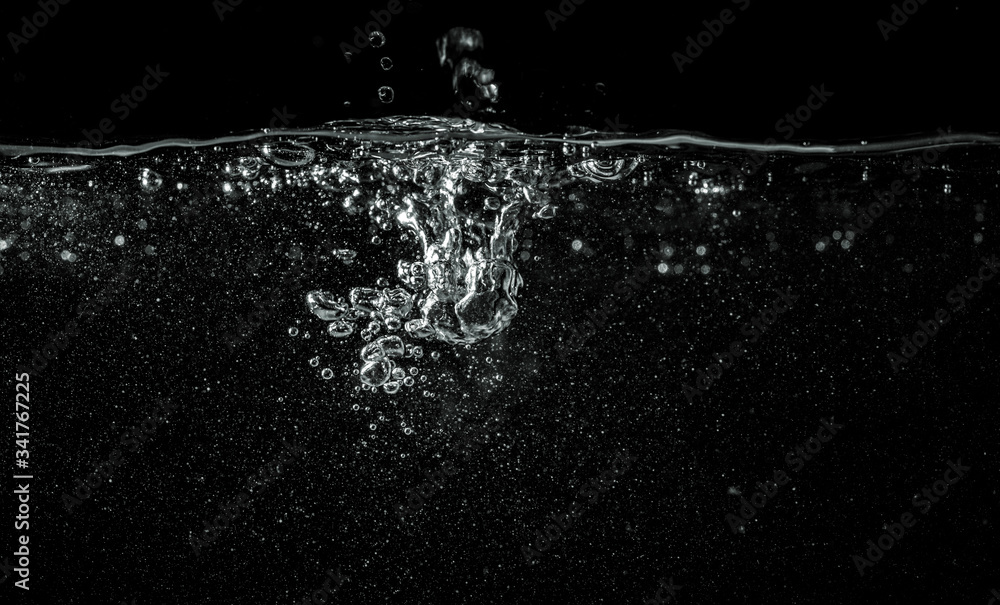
(228, 75)
(162, 337)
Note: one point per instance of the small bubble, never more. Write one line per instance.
(314, 361)
(663, 268)
(577, 245)
(150, 250)
(977, 238)
(376, 240)
(705, 269)
(386, 94)
(391, 387)
(700, 250)
(408, 431)
(327, 373)
(436, 355)
(149, 180)
(371, 427)
(398, 373)
(414, 371)
(142, 224)
(820, 246)
(120, 240)
(408, 381)
(386, 63)
(377, 38)
(678, 269)
(293, 331)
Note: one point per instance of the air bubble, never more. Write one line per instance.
(149, 180)
(327, 373)
(314, 361)
(386, 94)
(377, 38)
(293, 331)
(386, 63)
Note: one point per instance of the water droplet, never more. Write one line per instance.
(377, 38)
(386, 94)
(386, 63)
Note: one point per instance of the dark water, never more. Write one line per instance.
(495, 320)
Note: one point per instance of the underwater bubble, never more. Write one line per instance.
(393, 323)
(324, 306)
(327, 373)
(149, 180)
(376, 373)
(377, 38)
(408, 381)
(386, 94)
(386, 63)
(288, 155)
(293, 331)
(120, 240)
(414, 371)
(314, 361)
(545, 212)
(340, 329)
(391, 387)
(398, 374)
(435, 355)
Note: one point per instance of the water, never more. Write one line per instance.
(375, 288)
